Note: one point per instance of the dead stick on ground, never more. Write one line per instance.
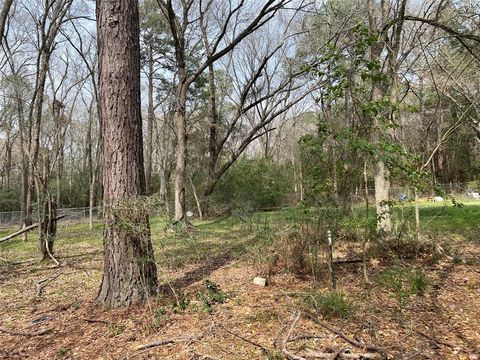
(263, 348)
(444, 343)
(275, 342)
(321, 355)
(164, 342)
(353, 342)
(306, 337)
(22, 333)
(42, 284)
(287, 353)
(97, 321)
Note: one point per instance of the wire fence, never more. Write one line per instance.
(81, 215)
(73, 215)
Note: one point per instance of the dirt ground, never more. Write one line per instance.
(253, 323)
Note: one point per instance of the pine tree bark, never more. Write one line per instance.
(130, 273)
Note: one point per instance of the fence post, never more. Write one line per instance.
(330, 259)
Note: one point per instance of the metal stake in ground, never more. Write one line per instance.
(330, 260)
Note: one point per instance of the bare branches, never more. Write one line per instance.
(351, 341)
(267, 12)
(447, 29)
(287, 353)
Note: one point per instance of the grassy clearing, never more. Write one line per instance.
(235, 234)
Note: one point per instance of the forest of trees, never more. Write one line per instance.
(214, 106)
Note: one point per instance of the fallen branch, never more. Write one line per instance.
(23, 333)
(442, 342)
(164, 342)
(9, 262)
(347, 261)
(263, 348)
(285, 351)
(25, 229)
(342, 355)
(42, 284)
(306, 337)
(367, 347)
(97, 321)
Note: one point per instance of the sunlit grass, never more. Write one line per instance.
(235, 234)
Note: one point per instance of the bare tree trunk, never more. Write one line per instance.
(162, 151)
(8, 160)
(381, 173)
(46, 209)
(130, 273)
(197, 200)
(25, 167)
(212, 140)
(367, 219)
(150, 121)
(7, 4)
(180, 170)
(92, 168)
(35, 139)
(300, 178)
(164, 184)
(91, 200)
(163, 187)
(382, 187)
(417, 214)
(336, 197)
(295, 176)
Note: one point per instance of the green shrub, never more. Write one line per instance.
(10, 200)
(402, 283)
(211, 295)
(181, 302)
(393, 279)
(254, 184)
(330, 305)
(418, 282)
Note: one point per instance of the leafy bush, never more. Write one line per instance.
(10, 200)
(254, 184)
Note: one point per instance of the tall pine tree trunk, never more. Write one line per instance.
(130, 273)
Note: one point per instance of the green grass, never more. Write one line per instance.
(72, 239)
(330, 305)
(236, 235)
(436, 217)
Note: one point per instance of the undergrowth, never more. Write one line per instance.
(330, 305)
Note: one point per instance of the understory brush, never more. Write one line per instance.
(403, 282)
(330, 305)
